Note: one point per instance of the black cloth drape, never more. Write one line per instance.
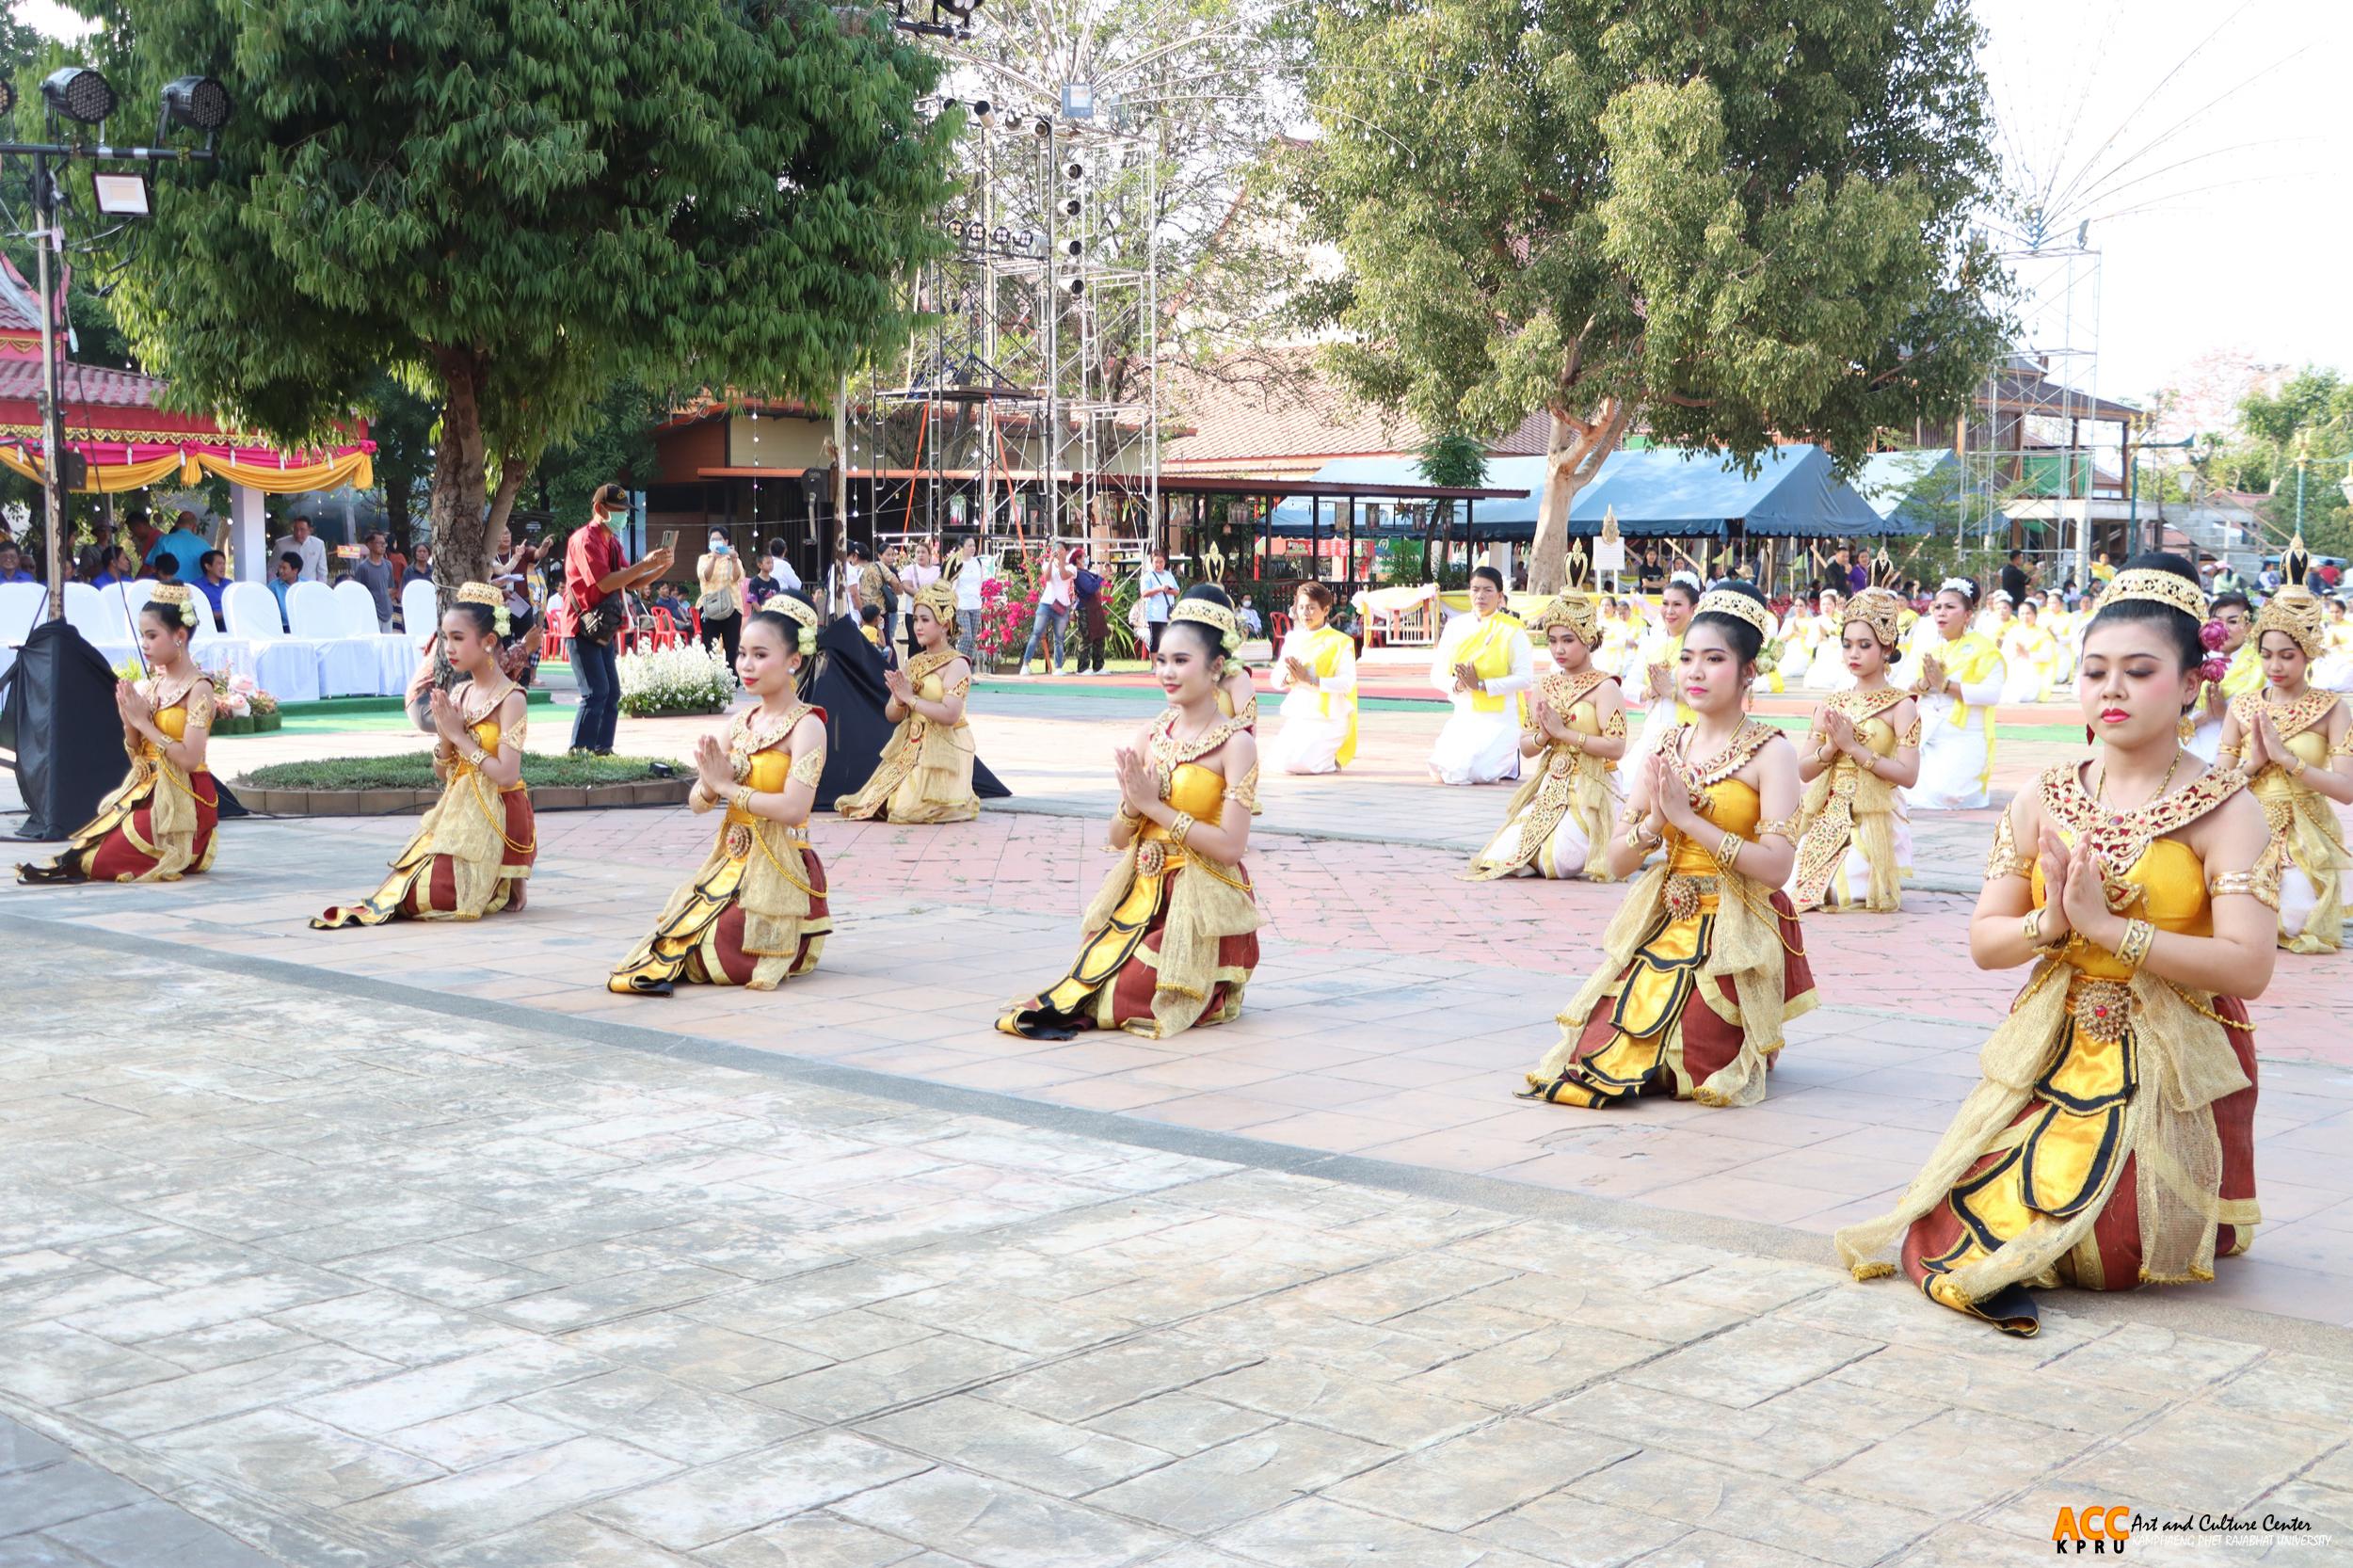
(58, 715)
(845, 679)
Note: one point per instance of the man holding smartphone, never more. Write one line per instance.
(597, 569)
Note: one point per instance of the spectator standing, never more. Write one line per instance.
(307, 545)
(1094, 622)
(1651, 576)
(1055, 594)
(420, 568)
(140, 534)
(2270, 577)
(920, 573)
(720, 595)
(2016, 575)
(971, 582)
(212, 580)
(781, 567)
(375, 572)
(91, 559)
(287, 574)
(596, 568)
(185, 544)
(1158, 589)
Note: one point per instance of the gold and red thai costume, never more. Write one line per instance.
(2305, 833)
(2110, 1143)
(474, 851)
(1558, 823)
(1855, 847)
(158, 825)
(755, 912)
(926, 772)
(1172, 936)
(1703, 966)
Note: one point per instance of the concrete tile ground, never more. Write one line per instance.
(414, 1246)
(269, 1266)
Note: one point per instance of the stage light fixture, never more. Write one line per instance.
(1000, 236)
(1042, 128)
(1072, 206)
(1075, 247)
(986, 112)
(1074, 171)
(78, 93)
(200, 103)
(1078, 286)
(122, 195)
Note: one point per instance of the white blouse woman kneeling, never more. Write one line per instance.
(1485, 661)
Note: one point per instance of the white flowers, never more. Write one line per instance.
(691, 678)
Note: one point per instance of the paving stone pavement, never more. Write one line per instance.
(291, 1266)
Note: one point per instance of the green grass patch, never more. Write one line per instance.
(414, 771)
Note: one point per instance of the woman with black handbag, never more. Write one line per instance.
(595, 576)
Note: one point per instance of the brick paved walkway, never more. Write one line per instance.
(374, 1285)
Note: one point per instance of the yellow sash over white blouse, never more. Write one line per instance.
(1957, 735)
(1318, 733)
(1480, 743)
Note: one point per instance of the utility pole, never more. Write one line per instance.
(55, 460)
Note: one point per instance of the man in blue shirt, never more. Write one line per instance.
(12, 565)
(184, 545)
(211, 578)
(289, 572)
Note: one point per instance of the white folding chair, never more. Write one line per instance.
(21, 607)
(284, 666)
(395, 658)
(347, 663)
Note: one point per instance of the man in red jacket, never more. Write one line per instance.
(596, 567)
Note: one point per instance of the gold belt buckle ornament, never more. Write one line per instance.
(1683, 897)
(2102, 1008)
(1561, 764)
(738, 840)
(1151, 858)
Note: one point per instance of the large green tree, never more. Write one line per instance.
(2298, 436)
(512, 205)
(1732, 220)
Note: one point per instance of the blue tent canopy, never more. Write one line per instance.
(1795, 493)
(1905, 487)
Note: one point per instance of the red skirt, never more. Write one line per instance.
(736, 966)
(1123, 960)
(423, 885)
(119, 855)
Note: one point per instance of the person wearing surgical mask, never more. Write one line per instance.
(719, 576)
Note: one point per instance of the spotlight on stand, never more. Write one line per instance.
(1072, 206)
(1078, 286)
(1074, 247)
(1042, 128)
(199, 103)
(986, 112)
(78, 93)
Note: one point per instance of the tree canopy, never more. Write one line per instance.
(513, 204)
(1735, 221)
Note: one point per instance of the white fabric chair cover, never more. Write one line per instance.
(394, 659)
(419, 611)
(98, 615)
(347, 663)
(216, 652)
(285, 667)
(20, 608)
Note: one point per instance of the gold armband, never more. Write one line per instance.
(1245, 792)
(2262, 889)
(2003, 860)
(808, 767)
(1786, 827)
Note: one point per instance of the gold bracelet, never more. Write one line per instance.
(1639, 837)
(1728, 850)
(742, 800)
(1128, 813)
(2298, 771)
(2134, 949)
(1179, 827)
(2034, 931)
(478, 758)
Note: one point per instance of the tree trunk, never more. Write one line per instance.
(1573, 456)
(461, 528)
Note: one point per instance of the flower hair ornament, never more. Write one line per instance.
(1961, 585)
(800, 616)
(492, 600)
(1690, 580)
(178, 596)
(1217, 617)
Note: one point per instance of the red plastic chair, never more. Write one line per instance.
(1282, 625)
(664, 633)
(557, 632)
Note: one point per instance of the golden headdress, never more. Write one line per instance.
(2161, 587)
(2298, 612)
(492, 599)
(1574, 611)
(939, 598)
(1214, 616)
(798, 611)
(1739, 606)
(1880, 609)
(178, 596)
